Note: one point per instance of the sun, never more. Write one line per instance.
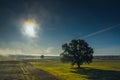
(30, 27)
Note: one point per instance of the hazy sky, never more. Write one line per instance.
(58, 22)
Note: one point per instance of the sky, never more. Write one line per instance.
(40, 27)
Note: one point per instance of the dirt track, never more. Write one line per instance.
(19, 70)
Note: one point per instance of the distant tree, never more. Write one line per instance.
(42, 56)
(77, 52)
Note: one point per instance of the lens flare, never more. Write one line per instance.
(30, 28)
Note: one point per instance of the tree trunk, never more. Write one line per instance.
(78, 65)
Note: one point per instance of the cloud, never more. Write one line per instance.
(19, 48)
(49, 50)
(8, 51)
(27, 49)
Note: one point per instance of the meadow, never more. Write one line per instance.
(14, 70)
(98, 70)
(22, 70)
(54, 69)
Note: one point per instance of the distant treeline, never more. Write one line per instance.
(33, 57)
(107, 57)
(58, 57)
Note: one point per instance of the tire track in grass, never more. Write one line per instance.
(40, 74)
(9, 70)
(26, 74)
(19, 70)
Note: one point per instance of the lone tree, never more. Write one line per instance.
(77, 52)
(42, 56)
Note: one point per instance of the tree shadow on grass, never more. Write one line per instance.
(97, 74)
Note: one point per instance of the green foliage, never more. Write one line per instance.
(77, 52)
(42, 56)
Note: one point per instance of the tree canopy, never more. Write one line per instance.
(42, 56)
(77, 52)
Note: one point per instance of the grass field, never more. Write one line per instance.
(14, 70)
(53, 69)
(98, 70)
(22, 70)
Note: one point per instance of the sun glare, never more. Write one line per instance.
(29, 27)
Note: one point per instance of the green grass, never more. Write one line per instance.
(98, 70)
